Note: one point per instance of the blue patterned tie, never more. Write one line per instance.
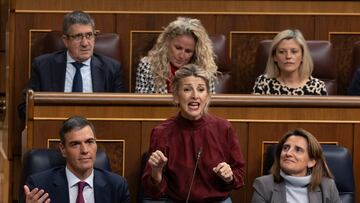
(77, 82)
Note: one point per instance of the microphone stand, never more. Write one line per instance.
(193, 176)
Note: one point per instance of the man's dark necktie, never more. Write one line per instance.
(77, 82)
(80, 197)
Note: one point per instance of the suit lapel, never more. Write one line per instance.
(58, 71)
(279, 193)
(60, 187)
(97, 75)
(315, 196)
(102, 192)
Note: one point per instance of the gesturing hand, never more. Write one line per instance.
(157, 161)
(36, 195)
(223, 170)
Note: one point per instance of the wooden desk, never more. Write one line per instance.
(124, 121)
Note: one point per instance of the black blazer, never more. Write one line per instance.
(108, 187)
(48, 75)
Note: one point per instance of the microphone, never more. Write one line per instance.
(198, 154)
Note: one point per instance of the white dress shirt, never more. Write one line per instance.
(88, 192)
(85, 74)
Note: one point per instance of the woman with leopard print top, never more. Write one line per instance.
(289, 68)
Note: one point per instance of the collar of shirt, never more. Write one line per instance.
(73, 180)
(85, 73)
(69, 60)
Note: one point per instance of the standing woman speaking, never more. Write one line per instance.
(194, 156)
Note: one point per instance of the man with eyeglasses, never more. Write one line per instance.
(77, 68)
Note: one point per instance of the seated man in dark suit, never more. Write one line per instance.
(76, 69)
(79, 181)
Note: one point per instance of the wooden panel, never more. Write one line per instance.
(147, 126)
(243, 52)
(2, 85)
(193, 5)
(263, 23)
(35, 37)
(23, 23)
(7, 129)
(342, 32)
(242, 132)
(4, 8)
(343, 43)
(3, 20)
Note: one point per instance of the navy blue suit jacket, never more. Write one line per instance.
(48, 75)
(108, 187)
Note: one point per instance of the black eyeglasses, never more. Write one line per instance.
(80, 36)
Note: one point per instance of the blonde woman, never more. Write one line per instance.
(183, 41)
(194, 156)
(289, 68)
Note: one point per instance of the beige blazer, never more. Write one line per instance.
(268, 191)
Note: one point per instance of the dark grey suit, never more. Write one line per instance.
(48, 75)
(268, 191)
(108, 187)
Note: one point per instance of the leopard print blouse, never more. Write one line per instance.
(271, 86)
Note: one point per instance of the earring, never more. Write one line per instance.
(309, 171)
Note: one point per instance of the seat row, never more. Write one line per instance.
(337, 157)
(321, 51)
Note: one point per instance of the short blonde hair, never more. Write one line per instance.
(306, 67)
